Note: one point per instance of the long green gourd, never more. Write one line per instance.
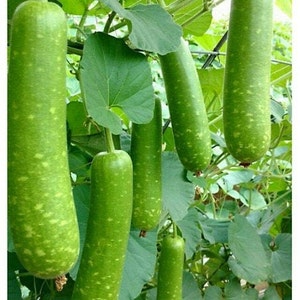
(41, 210)
(101, 267)
(146, 148)
(246, 113)
(187, 109)
(170, 269)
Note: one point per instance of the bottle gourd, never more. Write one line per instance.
(246, 102)
(41, 210)
(187, 108)
(103, 258)
(146, 149)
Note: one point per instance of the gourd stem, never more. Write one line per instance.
(109, 141)
(174, 230)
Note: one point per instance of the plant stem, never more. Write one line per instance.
(75, 47)
(118, 26)
(218, 118)
(174, 229)
(109, 141)
(166, 125)
(24, 274)
(72, 50)
(80, 32)
(214, 4)
(162, 3)
(213, 204)
(220, 158)
(109, 22)
(214, 272)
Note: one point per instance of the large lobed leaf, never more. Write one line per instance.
(214, 231)
(139, 265)
(152, 28)
(279, 251)
(191, 232)
(190, 289)
(249, 260)
(177, 192)
(193, 17)
(234, 291)
(115, 77)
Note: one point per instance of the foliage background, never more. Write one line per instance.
(226, 188)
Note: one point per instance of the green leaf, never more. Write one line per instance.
(286, 6)
(234, 291)
(276, 184)
(114, 76)
(75, 7)
(191, 15)
(271, 294)
(237, 177)
(83, 132)
(81, 195)
(150, 295)
(139, 264)
(252, 198)
(14, 291)
(281, 132)
(11, 6)
(209, 41)
(281, 74)
(177, 192)
(91, 144)
(213, 292)
(78, 161)
(152, 28)
(190, 289)
(77, 119)
(192, 21)
(218, 138)
(251, 294)
(280, 252)
(263, 220)
(168, 139)
(277, 111)
(211, 80)
(249, 260)
(212, 87)
(10, 242)
(214, 231)
(189, 226)
(160, 35)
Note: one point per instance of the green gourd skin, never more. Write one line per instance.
(187, 108)
(41, 211)
(146, 148)
(170, 269)
(101, 267)
(246, 110)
